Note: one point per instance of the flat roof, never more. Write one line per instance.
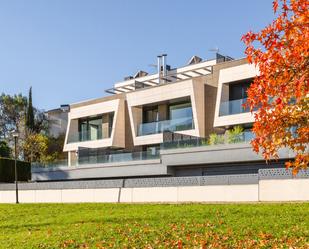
(174, 75)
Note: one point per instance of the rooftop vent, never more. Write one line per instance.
(65, 108)
(140, 74)
(128, 77)
(194, 60)
(223, 58)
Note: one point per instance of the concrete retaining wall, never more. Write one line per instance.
(220, 193)
(284, 190)
(268, 185)
(265, 190)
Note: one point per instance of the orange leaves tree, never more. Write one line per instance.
(281, 90)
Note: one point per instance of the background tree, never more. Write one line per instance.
(55, 147)
(30, 113)
(5, 150)
(12, 114)
(12, 118)
(281, 91)
(40, 121)
(35, 148)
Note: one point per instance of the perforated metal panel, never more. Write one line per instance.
(65, 185)
(281, 174)
(161, 182)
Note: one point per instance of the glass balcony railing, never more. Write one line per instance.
(173, 125)
(244, 137)
(85, 136)
(233, 107)
(102, 159)
(119, 157)
(58, 163)
(248, 136)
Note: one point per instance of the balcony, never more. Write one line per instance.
(125, 157)
(233, 107)
(85, 136)
(243, 137)
(119, 157)
(173, 125)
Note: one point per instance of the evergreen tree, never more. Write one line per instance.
(5, 150)
(30, 113)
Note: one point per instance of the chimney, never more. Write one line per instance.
(159, 68)
(164, 70)
(162, 67)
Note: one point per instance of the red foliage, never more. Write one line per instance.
(281, 90)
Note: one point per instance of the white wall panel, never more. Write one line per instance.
(266, 190)
(284, 190)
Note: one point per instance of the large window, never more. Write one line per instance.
(180, 111)
(95, 128)
(110, 123)
(237, 98)
(239, 90)
(166, 117)
(150, 114)
(90, 128)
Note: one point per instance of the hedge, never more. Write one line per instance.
(7, 173)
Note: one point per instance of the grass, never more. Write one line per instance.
(154, 226)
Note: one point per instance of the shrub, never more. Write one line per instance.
(7, 170)
(216, 139)
(234, 135)
(204, 142)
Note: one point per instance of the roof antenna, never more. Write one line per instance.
(153, 65)
(215, 49)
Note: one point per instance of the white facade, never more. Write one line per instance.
(226, 77)
(87, 111)
(156, 95)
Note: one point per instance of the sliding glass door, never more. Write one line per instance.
(90, 128)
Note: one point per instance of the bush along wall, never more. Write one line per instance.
(7, 173)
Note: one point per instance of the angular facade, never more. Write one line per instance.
(232, 86)
(128, 133)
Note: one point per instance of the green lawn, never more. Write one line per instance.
(154, 226)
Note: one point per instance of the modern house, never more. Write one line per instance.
(159, 125)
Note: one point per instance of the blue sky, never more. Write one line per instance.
(72, 50)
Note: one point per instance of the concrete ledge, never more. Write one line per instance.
(142, 168)
(224, 153)
(96, 165)
(218, 147)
